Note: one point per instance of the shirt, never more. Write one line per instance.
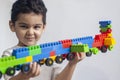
(46, 72)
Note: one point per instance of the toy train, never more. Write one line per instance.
(57, 51)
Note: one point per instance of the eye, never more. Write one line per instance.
(24, 26)
(37, 27)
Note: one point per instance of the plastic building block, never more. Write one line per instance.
(33, 50)
(84, 40)
(53, 58)
(10, 62)
(29, 59)
(109, 41)
(57, 51)
(84, 48)
(104, 23)
(66, 43)
(79, 48)
(20, 52)
(105, 26)
(52, 53)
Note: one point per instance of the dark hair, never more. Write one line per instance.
(28, 6)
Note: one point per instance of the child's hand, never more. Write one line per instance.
(34, 71)
(78, 58)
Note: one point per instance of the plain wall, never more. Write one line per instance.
(68, 19)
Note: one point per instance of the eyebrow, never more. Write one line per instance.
(28, 24)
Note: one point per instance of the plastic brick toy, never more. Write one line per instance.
(48, 53)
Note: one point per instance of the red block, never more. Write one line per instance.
(66, 43)
(52, 53)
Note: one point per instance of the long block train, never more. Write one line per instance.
(57, 51)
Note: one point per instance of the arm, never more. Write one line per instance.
(20, 76)
(67, 73)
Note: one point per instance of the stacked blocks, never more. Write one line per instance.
(56, 51)
(105, 26)
(84, 40)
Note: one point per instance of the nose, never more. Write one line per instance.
(30, 31)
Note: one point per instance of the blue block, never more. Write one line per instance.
(46, 50)
(48, 47)
(104, 24)
(62, 51)
(41, 56)
(20, 52)
(90, 45)
(58, 46)
(83, 40)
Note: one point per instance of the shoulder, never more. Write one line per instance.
(8, 51)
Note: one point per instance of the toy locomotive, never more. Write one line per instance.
(57, 51)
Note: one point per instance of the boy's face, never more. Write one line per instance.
(28, 28)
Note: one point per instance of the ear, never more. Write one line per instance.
(12, 26)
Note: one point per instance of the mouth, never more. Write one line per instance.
(30, 38)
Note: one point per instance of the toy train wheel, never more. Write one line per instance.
(0, 74)
(25, 68)
(59, 59)
(64, 56)
(49, 62)
(110, 47)
(88, 54)
(103, 49)
(41, 62)
(70, 56)
(10, 71)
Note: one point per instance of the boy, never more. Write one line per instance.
(28, 20)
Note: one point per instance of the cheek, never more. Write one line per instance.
(38, 34)
(20, 34)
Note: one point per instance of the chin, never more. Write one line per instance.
(30, 44)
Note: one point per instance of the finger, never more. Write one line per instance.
(78, 55)
(28, 74)
(37, 72)
(33, 69)
(83, 55)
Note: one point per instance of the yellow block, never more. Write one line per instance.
(109, 35)
(53, 58)
(109, 41)
(29, 59)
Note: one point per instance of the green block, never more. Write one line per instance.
(34, 50)
(79, 48)
(10, 61)
(105, 29)
(5, 62)
(20, 61)
(108, 26)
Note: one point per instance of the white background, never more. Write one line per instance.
(70, 19)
